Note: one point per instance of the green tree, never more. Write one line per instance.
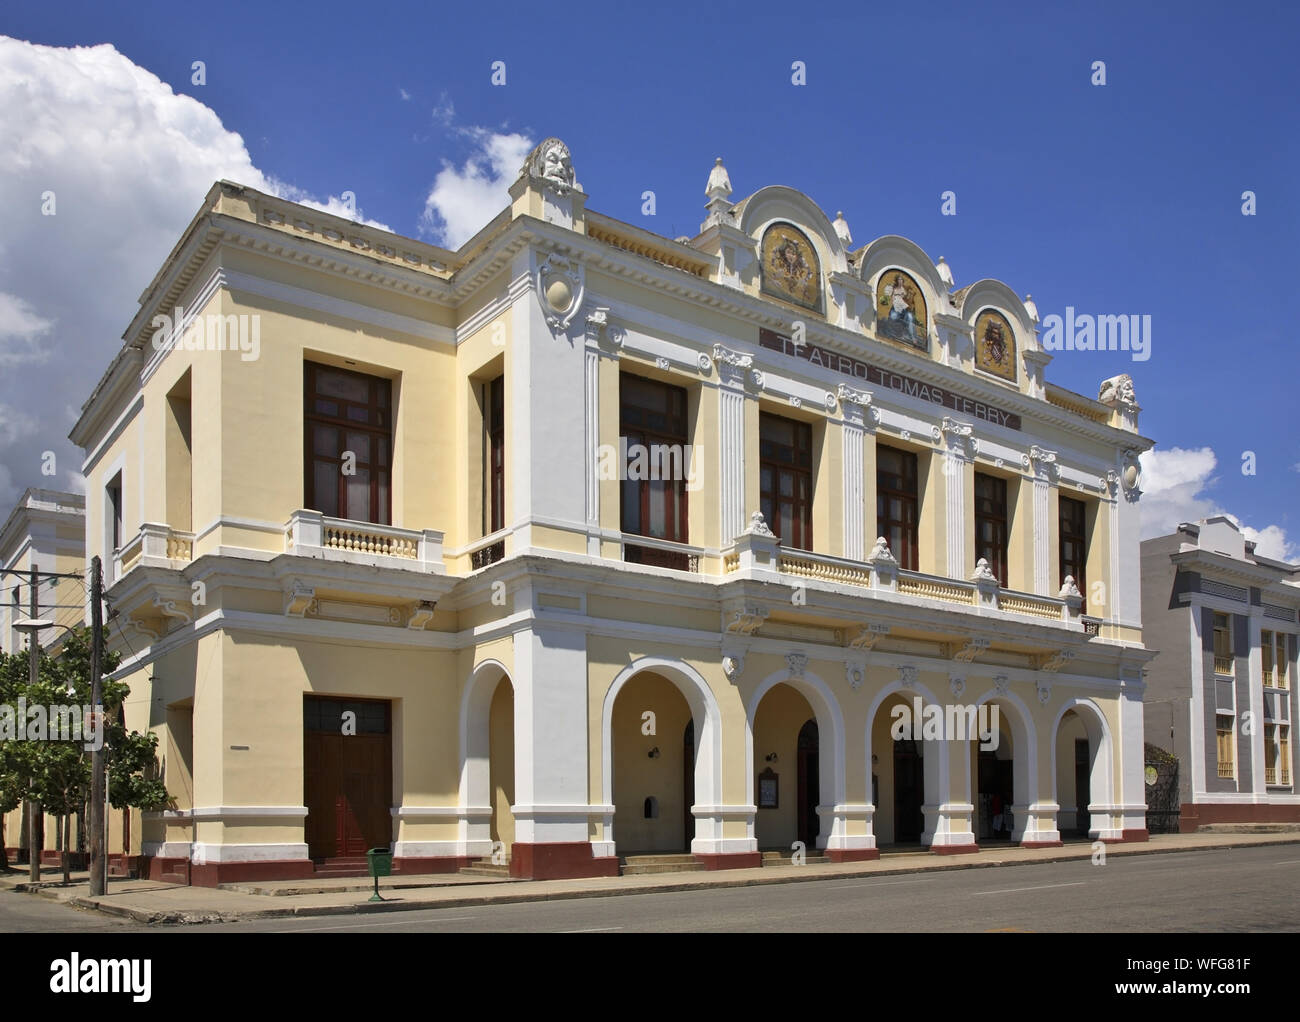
(57, 773)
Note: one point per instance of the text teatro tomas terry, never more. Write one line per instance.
(884, 378)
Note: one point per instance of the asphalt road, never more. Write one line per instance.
(1237, 890)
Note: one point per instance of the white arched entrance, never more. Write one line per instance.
(1101, 807)
(708, 809)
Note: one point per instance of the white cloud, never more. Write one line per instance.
(21, 332)
(463, 199)
(1173, 485)
(404, 94)
(129, 162)
(445, 111)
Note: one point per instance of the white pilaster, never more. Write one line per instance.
(550, 736)
(956, 437)
(732, 367)
(591, 391)
(1043, 464)
(854, 404)
(1131, 812)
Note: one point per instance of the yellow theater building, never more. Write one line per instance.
(581, 543)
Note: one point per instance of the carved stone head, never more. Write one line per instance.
(1117, 389)
(551, 165)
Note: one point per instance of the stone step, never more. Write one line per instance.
(783, 858)
(659, 862)
(486, 868)
(643, 869)
(1248, 828)
(658, 859)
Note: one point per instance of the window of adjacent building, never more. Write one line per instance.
(1273, 654)
(494, 456)
(349, 439)
(1223, 643)
(1270, 754)
(898, 503)
(785, 478)
(1284, 753)
(653, 423)
(991, 523)
(1074, 540)
(1223, 731)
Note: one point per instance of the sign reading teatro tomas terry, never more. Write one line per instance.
(858, 369)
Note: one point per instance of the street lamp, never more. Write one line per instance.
(33, 627)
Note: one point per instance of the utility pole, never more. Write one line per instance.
(35, 813)
(98, 759)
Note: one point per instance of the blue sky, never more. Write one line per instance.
(1117, 199)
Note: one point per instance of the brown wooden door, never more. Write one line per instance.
(809, 785)
(688, 783)
(347, 779)
(1082, 785)
(909, 794)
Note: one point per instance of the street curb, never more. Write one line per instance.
(945, 864)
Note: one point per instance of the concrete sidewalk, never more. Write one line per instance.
(154, 903)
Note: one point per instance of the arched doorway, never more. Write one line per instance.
(898, 774)
(501, 765)
(809, 784)
(787, 754)
(909, 775)
(1081, 772)
(487, 772)
(652, 799)
(994, 791)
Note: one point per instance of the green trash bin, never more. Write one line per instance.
(381, 865)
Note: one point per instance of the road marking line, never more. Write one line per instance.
(594, 929)
(1044, 887)
(867, 883)
(1288, 862)
(363, 926)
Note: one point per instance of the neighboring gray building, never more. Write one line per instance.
(1222, 694)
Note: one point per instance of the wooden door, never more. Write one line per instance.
(809, 785)
(1082, 785)
(688, 783)
(347, 778)
(909, 793)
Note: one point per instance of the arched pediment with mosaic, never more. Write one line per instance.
(791, 270)
(995, 344)
(901, 313)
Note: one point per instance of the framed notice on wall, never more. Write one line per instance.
(768, 789)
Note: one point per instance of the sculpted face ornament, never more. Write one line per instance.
(1118, 389)
(552, 165)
